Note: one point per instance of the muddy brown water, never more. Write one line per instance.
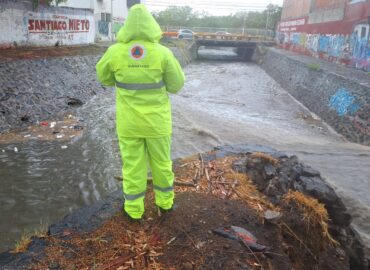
(222, 103)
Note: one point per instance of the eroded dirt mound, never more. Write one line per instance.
(184, 239)
(190, 230)
(210, 195)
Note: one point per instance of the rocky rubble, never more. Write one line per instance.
(37, 89)
(276, 178)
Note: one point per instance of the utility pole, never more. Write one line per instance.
(244, 19)
(111, 19)
(268, 17)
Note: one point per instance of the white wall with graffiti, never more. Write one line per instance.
(109, 15)
(109, 18)
(20, 25)
(350, 49)
(342, 37)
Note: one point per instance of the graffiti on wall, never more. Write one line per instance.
(103, 28)
(336, 46)
(360, 52)
(117, 26)
(349, 48)
(343, 102)
(349, 43)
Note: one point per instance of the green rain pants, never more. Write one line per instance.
(134, 152)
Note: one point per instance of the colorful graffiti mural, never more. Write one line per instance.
(103, 28)
(346, 41)
(116, 27)
(349, 49)
(361, 51)
(117, 24)
(343, 102)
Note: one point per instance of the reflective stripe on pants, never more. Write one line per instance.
(134, 152)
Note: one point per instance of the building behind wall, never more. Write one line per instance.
(336, 30)
(23, 25)
(109, 15)
(71, 23)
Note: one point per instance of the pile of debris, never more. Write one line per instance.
(232, 213)
(68, 127)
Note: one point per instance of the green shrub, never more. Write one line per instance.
(314, 66)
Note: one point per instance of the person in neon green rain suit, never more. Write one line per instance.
(143, 72)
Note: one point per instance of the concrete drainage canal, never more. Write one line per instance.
(49, 172)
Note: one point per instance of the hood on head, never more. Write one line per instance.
(140, 25)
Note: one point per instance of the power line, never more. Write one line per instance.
(212, 3)
(208, 4)
(215, 7)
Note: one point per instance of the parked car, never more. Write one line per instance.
(185, 34)
(222, 33)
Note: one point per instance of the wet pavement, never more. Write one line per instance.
(222, 103)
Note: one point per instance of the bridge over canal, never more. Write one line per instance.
(244, 44)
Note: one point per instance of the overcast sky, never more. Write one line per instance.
(215, 7)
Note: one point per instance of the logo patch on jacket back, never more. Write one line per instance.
(137, 52)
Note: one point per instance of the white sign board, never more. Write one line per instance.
(45, 27)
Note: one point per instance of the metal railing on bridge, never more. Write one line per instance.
(214, 30)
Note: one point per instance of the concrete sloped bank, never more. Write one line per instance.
(339, 95)
(37, 89)
(273, 173)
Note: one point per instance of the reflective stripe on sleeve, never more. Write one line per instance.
(167, 189)
(133, 197)
(140, 86)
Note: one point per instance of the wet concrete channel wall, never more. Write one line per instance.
(38, 89)
(339, 95)
(34, 90)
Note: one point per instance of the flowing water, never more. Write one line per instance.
(222, 103)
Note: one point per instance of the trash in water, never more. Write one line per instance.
(44, 124)
(52, 124)
(77, 127)
(59, 136)
(64, 146)
(241, 234)
(26, 136)
(16, 149)
(3, 151)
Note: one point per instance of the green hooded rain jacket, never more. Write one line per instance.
(143, 72)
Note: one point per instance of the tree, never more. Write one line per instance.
(36, 3)
(175, 16)
(186, 17)
(273, 16)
